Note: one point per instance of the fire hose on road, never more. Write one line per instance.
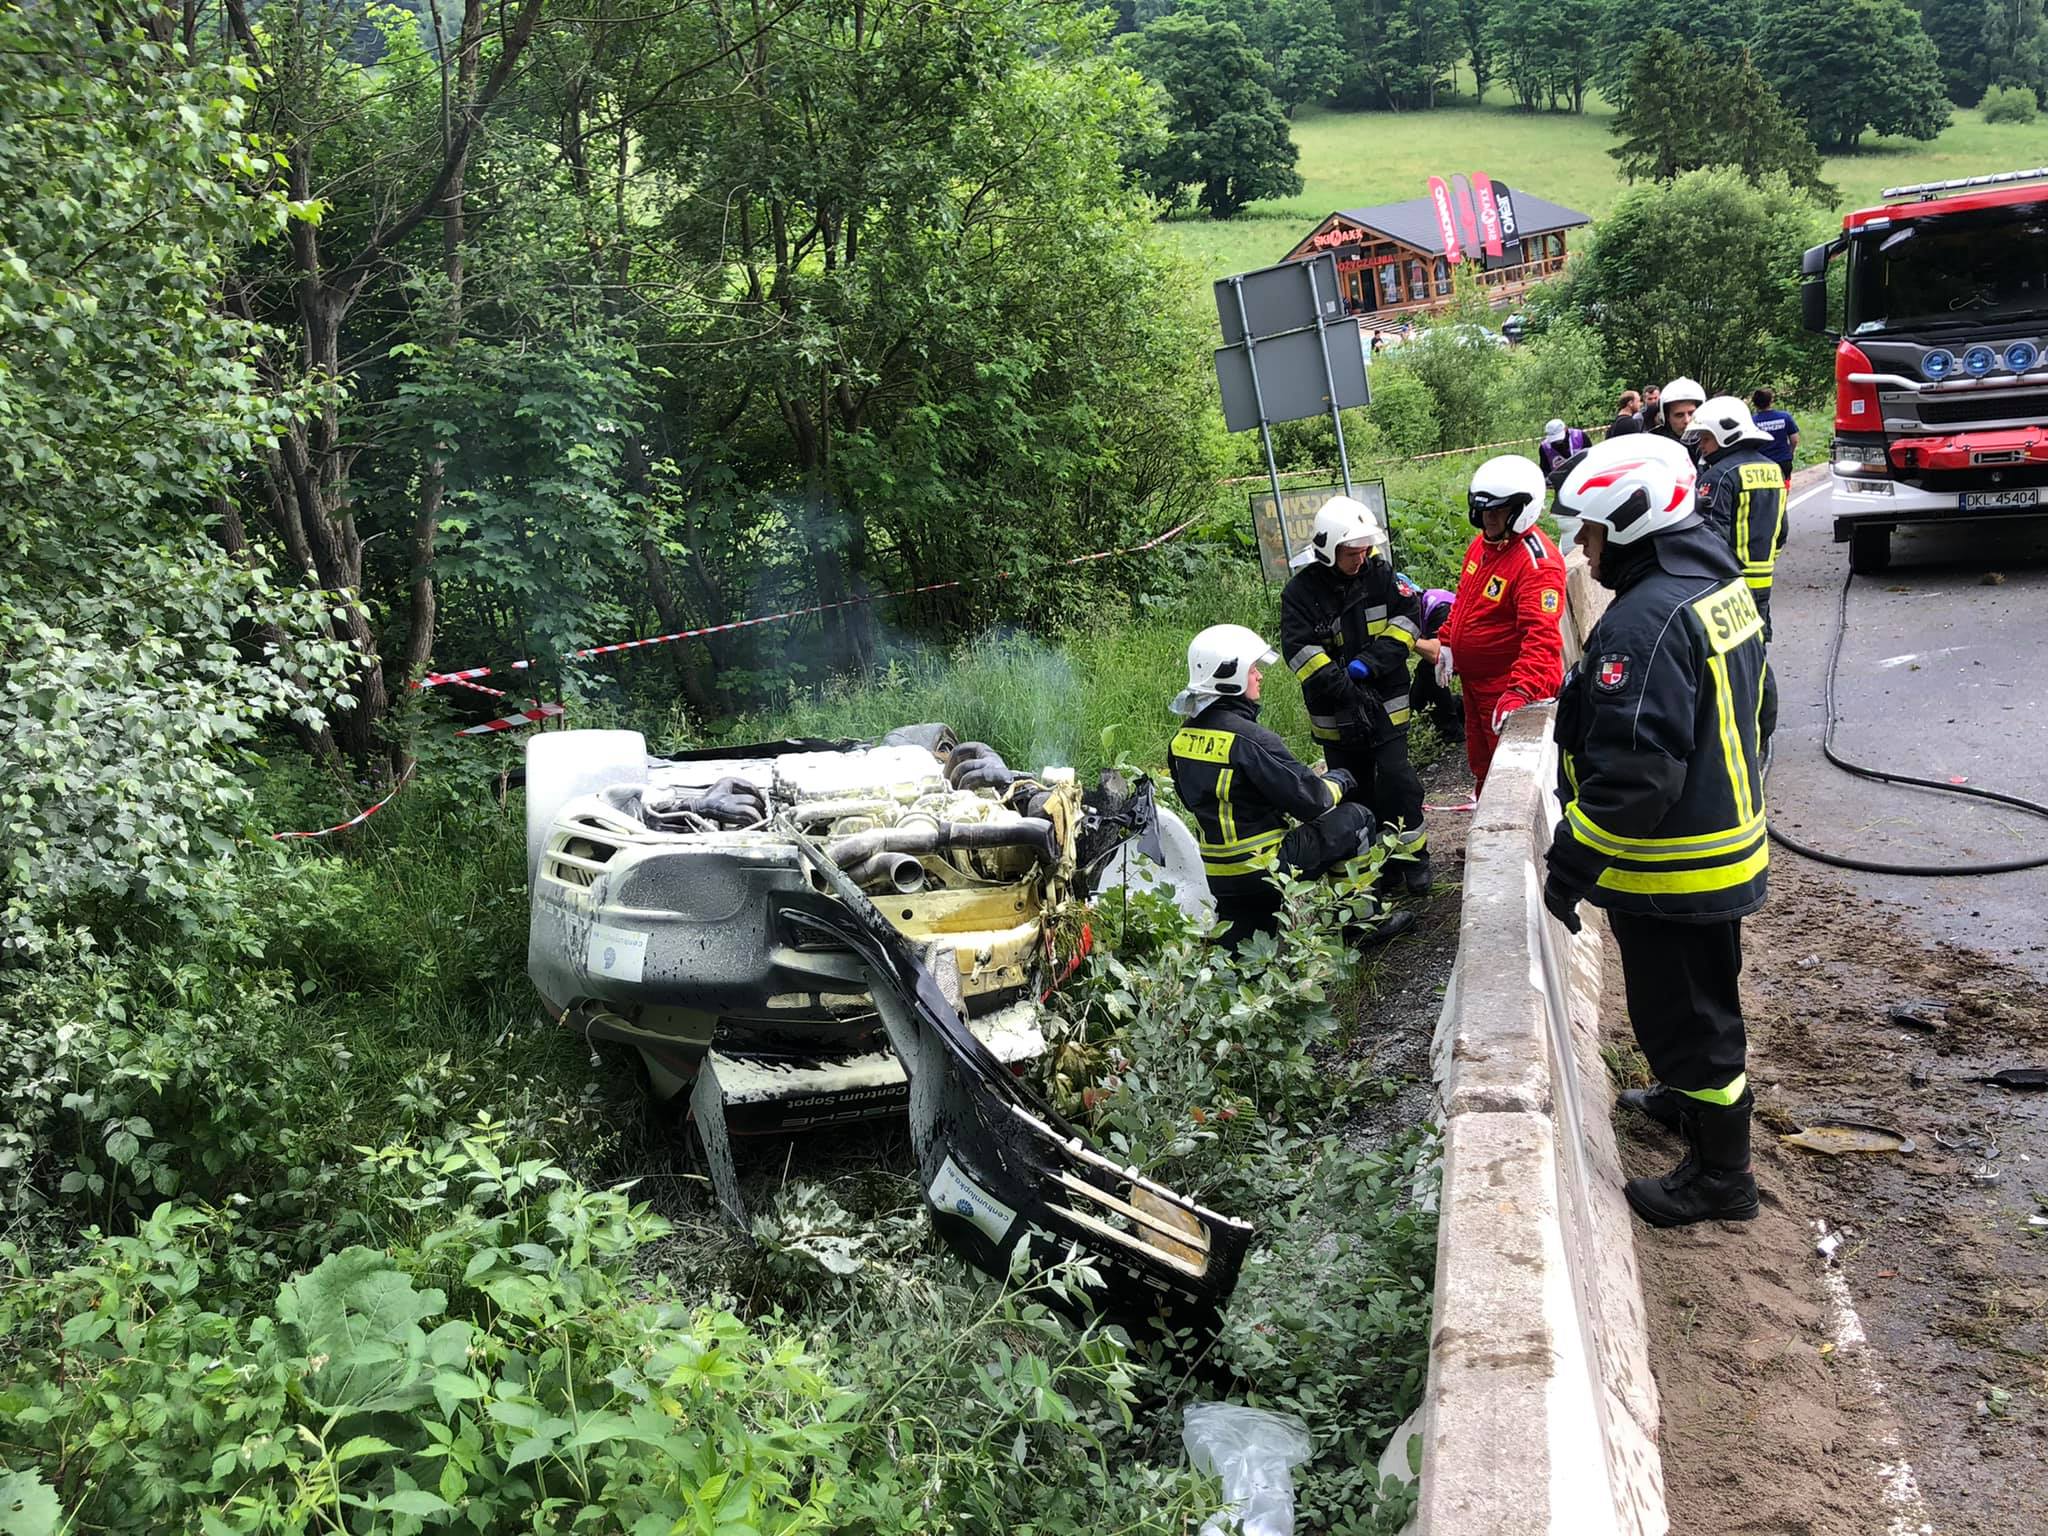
(1886, 776)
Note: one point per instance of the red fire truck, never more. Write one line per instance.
(1941, 362)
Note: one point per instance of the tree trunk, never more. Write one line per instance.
(423, 607)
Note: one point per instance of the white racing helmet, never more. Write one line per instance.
(1220, 662)
(1727, 420)
(1509, 480)
(1344, 520)
(1636, 486)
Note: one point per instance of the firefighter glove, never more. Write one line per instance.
(1562, 899)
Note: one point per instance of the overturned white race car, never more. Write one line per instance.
(804, 932)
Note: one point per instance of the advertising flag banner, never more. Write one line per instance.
(1489, 213)
(1504, 200)
(1446, 221)
(1467, 211)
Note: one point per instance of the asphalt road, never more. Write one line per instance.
(1942, 677)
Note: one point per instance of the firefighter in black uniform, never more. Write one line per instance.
(1255, 806)
(1662, 785)
(1742, 495)
(1742, 492)
(1349, 632)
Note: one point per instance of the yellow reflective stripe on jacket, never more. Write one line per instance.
(1308, 662)
(1246, 856)
(1402, 630)
(1697, 846)
(1336, 790)
(1686, 882)
(1735, 759)
(1226, 816)
(1203, 746)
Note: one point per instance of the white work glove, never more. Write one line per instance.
(1508, 704)
(1443, 666)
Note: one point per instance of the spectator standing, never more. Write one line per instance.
(1652, 415)
(1559, 443)
(1784, 443)
(1628, 420)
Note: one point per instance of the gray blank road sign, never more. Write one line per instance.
(1291, 375)
(1276, 299)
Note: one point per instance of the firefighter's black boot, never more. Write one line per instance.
(1379, 929)
(1415, 875)
(1713, 1182)
(1655, 1101)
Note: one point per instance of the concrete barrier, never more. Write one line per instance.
(1540, 1413)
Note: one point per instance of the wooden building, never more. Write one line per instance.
(1391, 265)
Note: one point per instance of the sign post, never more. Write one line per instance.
(1290, 351)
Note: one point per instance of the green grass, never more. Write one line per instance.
(1353, 159)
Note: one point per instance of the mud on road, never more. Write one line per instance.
(1924, 1406)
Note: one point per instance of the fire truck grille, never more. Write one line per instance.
(1999, 405)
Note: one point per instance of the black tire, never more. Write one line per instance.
(1870, 549)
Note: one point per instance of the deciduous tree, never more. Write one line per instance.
(1700, 276)
(1225, 133)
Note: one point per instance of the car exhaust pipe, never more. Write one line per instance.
(898, 872)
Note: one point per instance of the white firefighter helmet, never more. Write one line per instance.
(1343, 520)
(1727, 420)
(1511, 481)
(1678, 392)
(1220, 662)
(1636, 486)
(1554, 430)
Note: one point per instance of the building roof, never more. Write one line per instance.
(1413, 223)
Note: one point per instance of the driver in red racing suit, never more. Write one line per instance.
(1504, 637)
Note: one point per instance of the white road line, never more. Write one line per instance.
(1810, 492)
(1900, 1488)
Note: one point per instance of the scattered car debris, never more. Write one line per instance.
(1828, 1243)
(1836, 1137)
(1921, 1014)
(2025, 1079)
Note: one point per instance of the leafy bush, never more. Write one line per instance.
(2010, 104)
(510, 1371)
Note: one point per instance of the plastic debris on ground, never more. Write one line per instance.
(1836, 1137)
(1255, 1453)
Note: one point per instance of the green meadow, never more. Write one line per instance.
(1354, 159)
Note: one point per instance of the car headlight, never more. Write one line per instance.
(1859, 459)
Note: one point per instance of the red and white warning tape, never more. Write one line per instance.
(512, 722)
(466, 677)
(438, 679)
(356, 820)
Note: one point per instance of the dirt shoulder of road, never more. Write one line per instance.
(1777, 1416)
